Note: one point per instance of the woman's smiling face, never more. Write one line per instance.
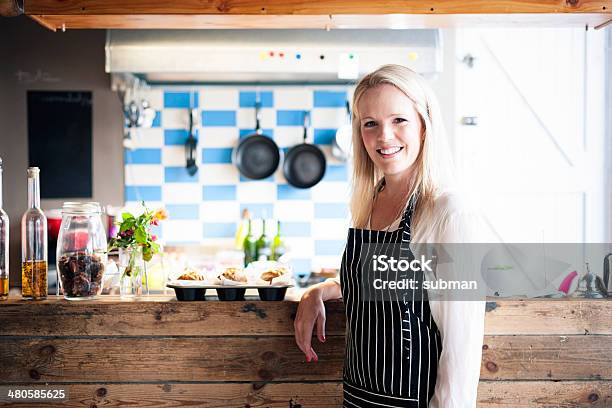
(390, 129)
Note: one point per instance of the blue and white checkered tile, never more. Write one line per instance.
(289, 136)
(218, 137)
(219, 174)
(331, 191)
(206, 207)
(300, 247)
(176, 231)
(293, 97)
(149, 138)
(245, 117)
(224, 99)
(294, 210)
(144, 175)
(181, 193)
(263, 192)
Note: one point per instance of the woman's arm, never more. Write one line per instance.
(461, 325)
(461, 322)
(311, 312)
(331, 289)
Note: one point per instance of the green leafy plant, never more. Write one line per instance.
(135, 233)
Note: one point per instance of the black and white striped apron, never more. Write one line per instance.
(392, 346)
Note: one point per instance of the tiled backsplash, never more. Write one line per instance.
(205, 208)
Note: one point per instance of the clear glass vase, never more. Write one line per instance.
(133, 272)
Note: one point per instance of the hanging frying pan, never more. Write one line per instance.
(305, 163)
(257, 155)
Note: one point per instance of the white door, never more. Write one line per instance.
(535, 155)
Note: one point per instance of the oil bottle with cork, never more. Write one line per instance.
(34, 242)
(4, 247)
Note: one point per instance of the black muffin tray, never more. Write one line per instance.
(229, 293)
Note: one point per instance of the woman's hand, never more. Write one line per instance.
(311, 311)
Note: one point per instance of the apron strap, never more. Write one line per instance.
(407, 217)
(406, 231)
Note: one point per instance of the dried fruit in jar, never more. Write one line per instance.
(81, 274)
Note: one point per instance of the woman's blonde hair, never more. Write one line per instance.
(433, 164)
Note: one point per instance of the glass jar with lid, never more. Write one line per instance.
(81, 250)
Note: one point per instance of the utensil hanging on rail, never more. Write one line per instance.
(257, 155)
(342, 144)
(305, 163)
(191, 145)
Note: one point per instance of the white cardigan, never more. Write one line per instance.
(461, 323)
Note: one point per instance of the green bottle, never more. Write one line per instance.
(250, 247)
(264, 247)
(278, 246)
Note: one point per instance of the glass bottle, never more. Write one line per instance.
(264, 246)
(81, 250)
(249, 246)
(4, 247)
(241, 231)
(278, 246)
(34, 242)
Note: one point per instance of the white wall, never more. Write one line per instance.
(73, 60)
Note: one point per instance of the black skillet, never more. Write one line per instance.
(257, 155)
(305, 163)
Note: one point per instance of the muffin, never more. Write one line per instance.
(234, 274)
(190, 274)
(272, 274)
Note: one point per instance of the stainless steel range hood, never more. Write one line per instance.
(255, 56)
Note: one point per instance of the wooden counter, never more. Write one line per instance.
(161, 353)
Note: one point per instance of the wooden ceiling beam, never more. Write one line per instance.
(312, 7)
(154, 21)
(328, 14)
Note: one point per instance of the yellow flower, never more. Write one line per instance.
(160, 214)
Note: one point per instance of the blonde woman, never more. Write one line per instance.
(399, 353)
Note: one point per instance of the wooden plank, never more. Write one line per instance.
(274, 358)
(161, 316)
(47, 23)
(547, 357)
(293, 395)
(539, 316)
(290, 7)
(156, 317)
(527, 370)
(544, 394)
(498, 394)
(342, 21)
(166, 359)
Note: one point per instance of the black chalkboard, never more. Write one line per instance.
(60, 142)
